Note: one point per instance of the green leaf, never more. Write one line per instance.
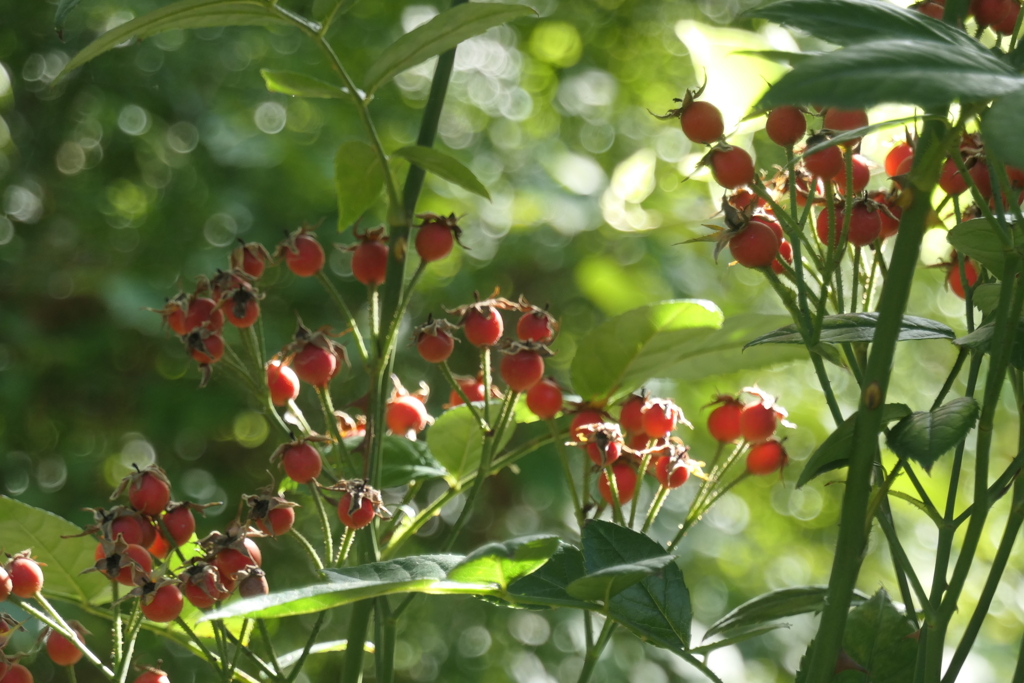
(358, 181)
(924, 436)
(404, 461)
(289, 658)
(876, 637)
(925, 73)
(623, 352)
(1002, 126)
(63, 10)
(408, 574)
(456, 440)
(854, 21)
(981, 340)
(718, 352)
(858, 327)
(978, 240)
(181, 15)
(608, 582)
(658, 607)
(986, 297)
(443, 166)
(777, 604)
(503, 562)
(300, 85)
(835, 451)
(23, 527)
(740, 636)
(550, 583)
(855, 134)
(440, 34)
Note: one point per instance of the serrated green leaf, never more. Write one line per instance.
(23, 527)
(300, 85)
(443, 166)
(858, 327)
(407, 574)
(925, 73)
(925, 436)
(455, 439)
(550, 583)
(876, 637)
(835, 451)
(777, 604)
(358, 181)
(622, 353)
(403, 461)
(658, 607)
(1002, 126)
(504, 562)
(986, 297)
(440, 34)
(181, 15)
(978, 240)
(739, 637)
(854, 21)
(981, 340)
(606, 583)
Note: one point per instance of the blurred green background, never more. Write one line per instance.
(139, 171)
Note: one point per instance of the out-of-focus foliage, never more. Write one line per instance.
(138, 172)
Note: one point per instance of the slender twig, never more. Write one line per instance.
(345, 311)
(308, 547)
(447, 372)
(594, 652)
(268, 643)
(325, 522)
(59, 625)
(344, 547)
(563, 456)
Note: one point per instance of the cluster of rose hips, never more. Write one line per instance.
(754, 235)
(198, 317)
(644, 430)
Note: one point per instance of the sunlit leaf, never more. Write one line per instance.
(443, 166)
(979, 240)
(456, 440)
(503, 562)
(835, 451)
(443, 32)
(300, 85)
(550, 583)
(289, 658)
(625, 351)
(181, 15)
(924, 436)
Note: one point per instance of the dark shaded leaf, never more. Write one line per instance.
(605, 583)
(979, 240)
(924, 436)
(986, 297)
(549, 583)
(300, 85)
(739, 637)
(440, 34)
(877, 638)
(777, 604)
(858, 327)
(358, 181)
(623, 352)
(835, 451)
(501, 563)
(1002, 126)
(854, 21)
(658, 607)
(443, 166)
(406, 460)
(925, 73)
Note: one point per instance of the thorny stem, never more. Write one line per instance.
(613, 487)
(308, 547)
(644, 463)
(325, 522)
(652, 512)
(344, 547)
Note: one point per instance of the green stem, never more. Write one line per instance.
(310, 642)
(352, 671)
(447, 372)
(269, 644)
(1018, 672)
(961, 356)
(331, 428)
(895, 293)
(485, 366)
(210, 657)
(652, 512)
(308, 547)
(563, 456)
(116, 626)
(134, 622)
(345, 311)
(232, 666)
(71, 674)
(613, 487)
(325, 522)
(344, 547)
(386, 630)
(59, 625)
(594, 652)
(644, 464)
